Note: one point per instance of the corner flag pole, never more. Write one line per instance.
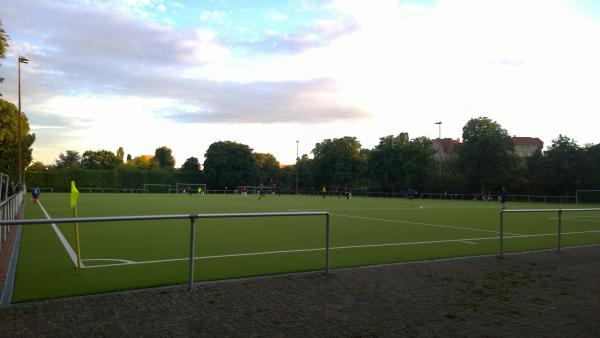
(76, 229)
(74, 197)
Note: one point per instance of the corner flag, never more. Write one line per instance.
(74, 195)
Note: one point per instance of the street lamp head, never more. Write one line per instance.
(23, 59)
(439, 122)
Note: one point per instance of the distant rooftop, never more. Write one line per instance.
(528, 141)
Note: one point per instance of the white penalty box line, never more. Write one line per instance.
(469, 241)
(62, 238)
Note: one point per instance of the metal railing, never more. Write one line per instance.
(558, 228)
(8, 212)
(192, 218)
(4, 182)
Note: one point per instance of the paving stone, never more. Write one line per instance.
(529, 295)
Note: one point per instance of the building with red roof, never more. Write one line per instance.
(444, 148)
(526, 146)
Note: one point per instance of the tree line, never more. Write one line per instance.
(484, 162)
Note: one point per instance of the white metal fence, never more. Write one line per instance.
(558, 224)
(192, 218)
(8, 212)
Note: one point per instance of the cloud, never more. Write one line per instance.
(83, 34)
(318, 34)
(269, 102)
(92, 50)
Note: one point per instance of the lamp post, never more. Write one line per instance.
(22, 59)
(439, 123)
(297, 163)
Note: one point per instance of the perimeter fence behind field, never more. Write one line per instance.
(475, 197)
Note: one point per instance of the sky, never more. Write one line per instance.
(141, 74)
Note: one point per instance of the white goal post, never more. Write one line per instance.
(360, 191)
(587, 196)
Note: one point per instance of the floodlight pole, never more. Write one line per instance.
(21, 60)
(297, 163)
(439, 123)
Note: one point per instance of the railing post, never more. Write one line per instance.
(192, 251)
(327, 244)
(501, 234)
(559, 230)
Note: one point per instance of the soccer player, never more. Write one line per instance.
(260, 192)
(323, 191)
(35, 193)
(502, 198)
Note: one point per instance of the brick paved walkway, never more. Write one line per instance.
(544, 294)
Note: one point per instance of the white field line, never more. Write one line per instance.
(425, 224)
(107, 259)
(468, 242)
(209, 257)
(584, 219)
(463, 240)
(575, 217)
(62, 239)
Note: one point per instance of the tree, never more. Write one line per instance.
(70, 159)
(164, 157)
(398, 163)
(268, 167)
(418, 162)
(3, 41)
(338, 162)
(121, 154)
(145, 162)
(9, 136)
(100, 160)
(37, 166)
(592, 167)
(3, 46)
(563, 166)
(229, 164)
(191, 165)
(487, 154)
(129, 159)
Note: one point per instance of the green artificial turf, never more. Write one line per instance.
(364, 231)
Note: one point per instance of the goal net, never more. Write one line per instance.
(587, 196)
(190, 188)
(157, 188)
(361, 191)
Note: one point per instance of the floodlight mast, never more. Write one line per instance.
(21, 60)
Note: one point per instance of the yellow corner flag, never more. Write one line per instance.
(74, 197)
